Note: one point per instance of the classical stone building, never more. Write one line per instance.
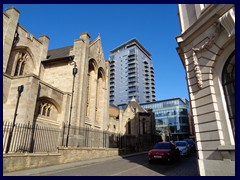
(207, 51)
(48, 81)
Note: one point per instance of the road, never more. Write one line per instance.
(129, 166)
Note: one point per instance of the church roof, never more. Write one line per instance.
(64, 52)
(113, 110)
(58, 53)
(133, 103)
(114, 106)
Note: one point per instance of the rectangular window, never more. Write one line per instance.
(129, 127)
(132, 51)
(143, 126)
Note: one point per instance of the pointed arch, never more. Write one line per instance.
(50, 101)
(91, 90)
(93, 64)
(22, 61)
(100, 96)
(47, 111)
(102, 73)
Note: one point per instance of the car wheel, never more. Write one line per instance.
(150, 161)
(172, 161)
(178, 157)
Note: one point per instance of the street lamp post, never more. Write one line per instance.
(170, 132)
(69, 121)
(20, 90)
(168, 128)
(139, 131)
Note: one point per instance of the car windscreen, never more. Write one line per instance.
(162, 146)
(190, 141)
(180, 143)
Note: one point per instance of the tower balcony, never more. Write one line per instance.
(132, 55)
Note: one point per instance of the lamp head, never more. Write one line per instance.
(75, 70)
(20, 88)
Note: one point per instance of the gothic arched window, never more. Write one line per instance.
(22, 68)
(48, 112)
(21, 61)
(17, 68)
(228, 83)
(44, 109)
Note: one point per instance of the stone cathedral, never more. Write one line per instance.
(52, 95)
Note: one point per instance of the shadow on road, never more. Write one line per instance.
(185, 166)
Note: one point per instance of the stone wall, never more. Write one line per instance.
(17, 161)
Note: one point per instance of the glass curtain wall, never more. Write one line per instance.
(171, 117)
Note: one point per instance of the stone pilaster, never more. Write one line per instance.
(93, 100)
(80, 49)
(9, 29)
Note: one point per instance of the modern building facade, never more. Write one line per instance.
(206, 47)
(50, 77)
(131, 74)
(171, 118)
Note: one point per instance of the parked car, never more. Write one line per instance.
(163, 151)
(183, 147)
(191, 144)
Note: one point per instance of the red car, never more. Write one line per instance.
(164, 151)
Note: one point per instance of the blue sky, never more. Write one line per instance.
(154, 25)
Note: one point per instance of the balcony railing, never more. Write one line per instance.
(132, 55)
(132, 71)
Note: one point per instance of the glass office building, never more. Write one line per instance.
(131, 74)
(171, 116)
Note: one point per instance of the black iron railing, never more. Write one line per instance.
(35, 138)
(30, 138)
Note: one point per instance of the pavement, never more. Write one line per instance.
(36, 171)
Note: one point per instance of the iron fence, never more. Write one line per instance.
(31, 137)
(88, 137)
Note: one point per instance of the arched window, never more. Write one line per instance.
(143, 126)
(90, 88)
(22, 68)
(48, 111)
(44, 109)
(129, 127)
(17, 68)
(228, 83)
(21, 61)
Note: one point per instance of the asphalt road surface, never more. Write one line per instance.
(137, 165)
